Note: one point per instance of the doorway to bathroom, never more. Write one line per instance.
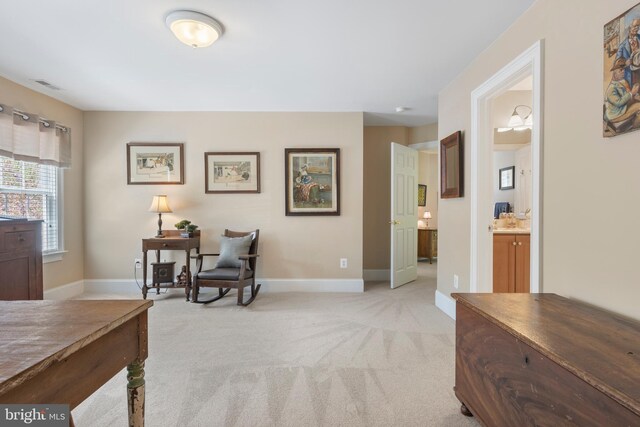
(494, 219)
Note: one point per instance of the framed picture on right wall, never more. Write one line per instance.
(621, 110)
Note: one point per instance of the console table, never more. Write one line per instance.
(545, 360)
(171, 242)
(63, 351)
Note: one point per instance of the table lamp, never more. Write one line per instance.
(427, 216)
(160, 205)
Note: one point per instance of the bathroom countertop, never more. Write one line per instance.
(511, 231)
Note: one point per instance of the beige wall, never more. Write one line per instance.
(70, 269)
(377, 193)
(424, 133)
(291, 247)
(428, 175)
(589, 254)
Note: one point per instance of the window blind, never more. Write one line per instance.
(30, 190)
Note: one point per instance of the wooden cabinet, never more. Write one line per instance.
(20, 259)
(545, 360)
(427, 243)
(511, 263)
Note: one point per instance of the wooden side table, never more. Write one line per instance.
(172, 242)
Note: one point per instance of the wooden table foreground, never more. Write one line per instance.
(63, 351)
(545, 360)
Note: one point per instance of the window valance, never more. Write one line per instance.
(28, 137)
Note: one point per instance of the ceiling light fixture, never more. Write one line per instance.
(401, 109)
(521, 119)
(193, 28)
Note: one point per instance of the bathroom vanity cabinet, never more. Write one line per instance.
(511, 263)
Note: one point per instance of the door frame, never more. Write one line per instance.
(530, 62)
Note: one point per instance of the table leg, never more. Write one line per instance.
(157, 285)
(187, 288)
(144, 275)
(135, 393)
(465, 411)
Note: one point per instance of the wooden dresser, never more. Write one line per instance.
(427, 243)
(20, 259)
(544, 360)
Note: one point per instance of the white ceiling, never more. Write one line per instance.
(275, 55)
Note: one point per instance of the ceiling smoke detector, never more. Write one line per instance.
(194, 29)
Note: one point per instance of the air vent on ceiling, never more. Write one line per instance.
(47, 84)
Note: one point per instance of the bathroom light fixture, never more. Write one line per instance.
(521, 119)
(193, 28)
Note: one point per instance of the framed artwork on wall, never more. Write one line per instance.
(227, 172)
(621, 111)
(451, 166)
(422, 195)
(150, 163)
(312, 181)
(507, 178)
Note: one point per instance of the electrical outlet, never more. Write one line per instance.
(343, 263)
(455, 281)
(138, 262)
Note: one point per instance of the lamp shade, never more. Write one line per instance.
(160, 204)
(193, 28)
(515, 120)
(427, 215)
(521, 118)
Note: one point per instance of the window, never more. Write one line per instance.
(30, 190)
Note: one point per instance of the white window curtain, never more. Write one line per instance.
(27, 137)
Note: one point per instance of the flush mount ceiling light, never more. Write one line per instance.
(193, 28)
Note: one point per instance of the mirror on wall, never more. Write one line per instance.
(451, 166)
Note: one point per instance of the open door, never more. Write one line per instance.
(404, 216)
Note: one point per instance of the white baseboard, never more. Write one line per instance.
(446, 304)
(376, 275)
(68, 291)
(126, 286)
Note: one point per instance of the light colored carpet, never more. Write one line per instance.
(382, 358)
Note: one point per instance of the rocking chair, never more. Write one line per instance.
(225, 278)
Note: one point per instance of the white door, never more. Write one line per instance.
(404, 216)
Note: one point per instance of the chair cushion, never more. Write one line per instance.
(231, 248)
(223, 274)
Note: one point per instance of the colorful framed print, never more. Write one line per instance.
(312, 181)
(621, 110)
